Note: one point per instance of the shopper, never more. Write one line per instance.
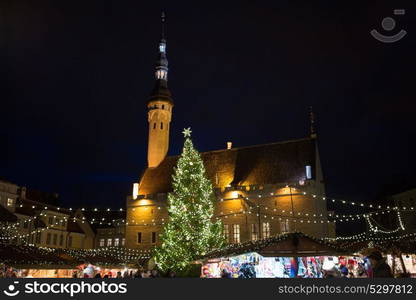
(380, 267)
(171, 274)
(225, 274)
(361, 273)
(138, 274)
(154, 274)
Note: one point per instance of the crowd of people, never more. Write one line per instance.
(128, 274)
(377, 268)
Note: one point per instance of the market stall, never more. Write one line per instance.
(29, 261)
(291, 255)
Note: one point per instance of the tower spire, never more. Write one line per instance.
(163, 20)
(161, 91)
(312, 122)
(159, 106)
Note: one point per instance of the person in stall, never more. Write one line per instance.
(379, 265)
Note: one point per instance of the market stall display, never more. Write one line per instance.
(253, 265)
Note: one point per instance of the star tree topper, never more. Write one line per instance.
(187, 132)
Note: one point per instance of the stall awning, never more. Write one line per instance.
(290, 244)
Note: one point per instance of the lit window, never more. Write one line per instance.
(116, 242)
(226, 232)
(254, 232)
(135, 190)
(109, 242)
(139, 237)
(10, 202)
(123, 241)
(102, 242)
(153, 237)
(162, 47)
(308, 172)
(236, 233)
(161, 74)
(284, 226)
(266, 230)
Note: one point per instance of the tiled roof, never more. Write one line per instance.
(108, 217)
(6, 215)
(289, 244)
(282, 162)
(27, 209)
(74, 227)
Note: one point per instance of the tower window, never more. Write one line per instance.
(154, 125)
(161, 125)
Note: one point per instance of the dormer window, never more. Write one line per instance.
(308, 172)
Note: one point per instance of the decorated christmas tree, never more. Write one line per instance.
(190, 231)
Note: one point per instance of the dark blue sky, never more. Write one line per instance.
(76, 75)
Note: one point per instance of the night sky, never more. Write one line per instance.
(76, 75)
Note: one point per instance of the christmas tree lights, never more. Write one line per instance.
(190, 232)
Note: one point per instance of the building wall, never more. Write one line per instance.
(159, 117)
(8, 195)
(286, 212)
(111, 237)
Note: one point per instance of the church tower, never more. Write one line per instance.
(159, 106)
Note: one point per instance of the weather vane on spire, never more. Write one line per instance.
(187, 132)
(312, 122)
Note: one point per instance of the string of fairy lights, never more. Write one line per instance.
(259, 210)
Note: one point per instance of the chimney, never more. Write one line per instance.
(229, 145)
(135, 190)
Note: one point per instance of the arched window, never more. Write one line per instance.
(161, 125)
(154, 125)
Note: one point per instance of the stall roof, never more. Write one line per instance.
(49, 258)
(6, 215)
(290, 244)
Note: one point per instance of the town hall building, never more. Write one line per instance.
(260, 190)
